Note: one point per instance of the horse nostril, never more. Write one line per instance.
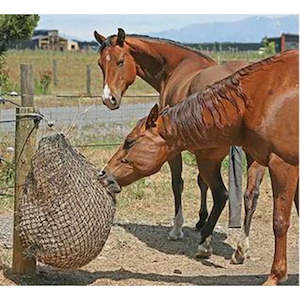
(113, 100)
(102, 173)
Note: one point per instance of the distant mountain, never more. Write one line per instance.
(71, 37)
(251, 29)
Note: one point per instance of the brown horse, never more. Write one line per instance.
(175, 71)
(256, 108)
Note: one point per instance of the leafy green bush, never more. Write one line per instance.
(7, 173)
(45, 81)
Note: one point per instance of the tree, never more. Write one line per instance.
(16, 27)
(13, 27)
(267, 48)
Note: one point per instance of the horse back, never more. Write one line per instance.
(178, 85)
(272, 113)
(214, 74)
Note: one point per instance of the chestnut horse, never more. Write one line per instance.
(256, 108)
(175, 71)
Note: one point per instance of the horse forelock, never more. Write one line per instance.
(106, 43)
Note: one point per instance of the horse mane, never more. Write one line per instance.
(109, 39)
(188, 114)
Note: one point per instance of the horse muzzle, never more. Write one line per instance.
(112, 101)
(109, 182)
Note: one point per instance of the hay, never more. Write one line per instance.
(65, 212)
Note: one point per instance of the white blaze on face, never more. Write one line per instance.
(106, 92)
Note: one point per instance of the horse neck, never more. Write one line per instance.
(229, 112)
(202, 122)
(156, 60)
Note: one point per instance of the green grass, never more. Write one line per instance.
(71, 71)
(190, 160)
(7, 172)
(251, 56)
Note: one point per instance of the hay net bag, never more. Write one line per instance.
(65, 212)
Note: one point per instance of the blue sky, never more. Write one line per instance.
(83, 26)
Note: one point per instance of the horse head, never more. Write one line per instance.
(143, 152)
(117, 65)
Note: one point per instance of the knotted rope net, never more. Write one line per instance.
(65, 212)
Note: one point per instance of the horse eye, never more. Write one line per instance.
(124, 161)
(120, 63)
(128, 144)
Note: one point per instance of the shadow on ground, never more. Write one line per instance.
(49, 276)
(156, 237)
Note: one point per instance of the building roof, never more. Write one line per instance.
(286, 34)
(44, 31)
(39, 37)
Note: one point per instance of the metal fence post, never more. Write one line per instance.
(25, 142)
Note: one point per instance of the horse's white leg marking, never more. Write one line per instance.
(205, 249)
(240, 253)
(176, 233)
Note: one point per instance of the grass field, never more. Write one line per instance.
(71, 70)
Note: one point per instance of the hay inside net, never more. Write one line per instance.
(65, 212)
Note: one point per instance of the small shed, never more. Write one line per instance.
(72, 45)
(46, 40)
(285, 41)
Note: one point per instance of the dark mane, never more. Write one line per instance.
(108, 42)
(189, 114)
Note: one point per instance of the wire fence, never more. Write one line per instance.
(86, 125)
(87, 118)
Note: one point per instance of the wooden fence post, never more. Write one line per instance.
(25, 142)
(88, 80)
(54, 71)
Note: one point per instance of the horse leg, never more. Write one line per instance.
(177, 186)
(255, 176)
(210, 172)
(296, 198)
(203, 214)
(284, 179)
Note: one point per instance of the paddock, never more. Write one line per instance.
(138, 251)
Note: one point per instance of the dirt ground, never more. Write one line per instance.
(139, 253)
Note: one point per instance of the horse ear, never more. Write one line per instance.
(152, 117)
(121, 37)
(99, 38)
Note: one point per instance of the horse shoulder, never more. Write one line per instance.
(177, 87)
(209, 76)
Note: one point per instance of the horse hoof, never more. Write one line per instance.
(175, 235)
(203, 252)
(271, 281)
(237, 258)
(284, 278)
